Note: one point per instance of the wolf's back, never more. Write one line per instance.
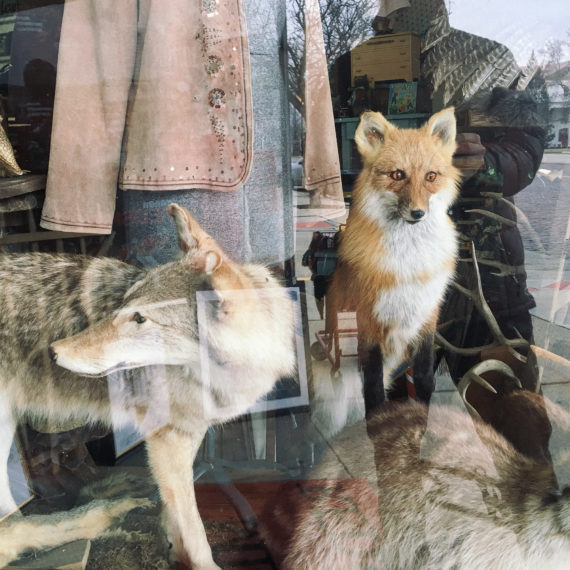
(45, 297)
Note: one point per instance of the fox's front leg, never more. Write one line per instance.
(424, 381)
(372, 377)
(171, 455)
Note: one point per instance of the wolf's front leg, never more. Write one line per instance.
(171, 455)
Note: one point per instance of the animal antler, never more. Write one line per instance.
(493, 216)
(504, 268)
(480, 303)
(559, 363)
(521, 216)
(474, 374)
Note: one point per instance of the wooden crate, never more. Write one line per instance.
(387, 57)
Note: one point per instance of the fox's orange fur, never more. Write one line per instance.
(398, 251)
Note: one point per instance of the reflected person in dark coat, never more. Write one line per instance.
(499, 152)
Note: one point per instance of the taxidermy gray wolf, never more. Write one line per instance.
(69, 321)
(454, 496)
(398, 252)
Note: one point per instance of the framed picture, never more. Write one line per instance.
(288, 392)
(126, 387)
(402, 98)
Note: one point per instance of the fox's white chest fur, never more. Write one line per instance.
(397, 254)
(421, 256)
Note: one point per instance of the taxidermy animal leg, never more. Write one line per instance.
(46, 531)
(171, 454)
(373, 387)
(424, 382)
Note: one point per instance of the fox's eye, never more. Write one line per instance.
(397, 174)
(138, 318)
(431, 176)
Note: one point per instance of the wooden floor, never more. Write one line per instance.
(233, 516)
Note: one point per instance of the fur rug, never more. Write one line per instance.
(137, 540)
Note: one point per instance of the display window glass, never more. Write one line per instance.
(284, 284)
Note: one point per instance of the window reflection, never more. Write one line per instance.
(310, 282)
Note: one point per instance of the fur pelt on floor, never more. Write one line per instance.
(136, 539)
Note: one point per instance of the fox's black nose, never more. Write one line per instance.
(417, 214)
(52, 354)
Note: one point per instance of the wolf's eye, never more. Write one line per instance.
(397, 174)
(431, 176)
(138, 318)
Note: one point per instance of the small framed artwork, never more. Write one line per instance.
(127, 388)
(402, 98)
(288, 392)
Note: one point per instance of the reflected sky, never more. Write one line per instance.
(523, 26)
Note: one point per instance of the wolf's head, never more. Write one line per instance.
(407, 172)
(246, 324)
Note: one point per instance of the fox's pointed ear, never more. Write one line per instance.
(202, 252)
(442, 127)
(370, 134)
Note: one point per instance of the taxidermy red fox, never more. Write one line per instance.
(398, 252)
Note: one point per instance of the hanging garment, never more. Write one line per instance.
(149, 96)
(255, 223)
(321, 161)
(107, 134)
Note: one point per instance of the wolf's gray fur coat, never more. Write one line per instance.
(70, 324)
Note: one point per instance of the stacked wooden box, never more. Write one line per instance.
(387, 57)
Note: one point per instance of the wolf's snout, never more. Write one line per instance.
(417, 214)
(52, 354)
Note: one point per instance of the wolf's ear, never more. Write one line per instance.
(370, 134)
(442, 127)
(202, 251)
(190, 234)
(212, 262)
